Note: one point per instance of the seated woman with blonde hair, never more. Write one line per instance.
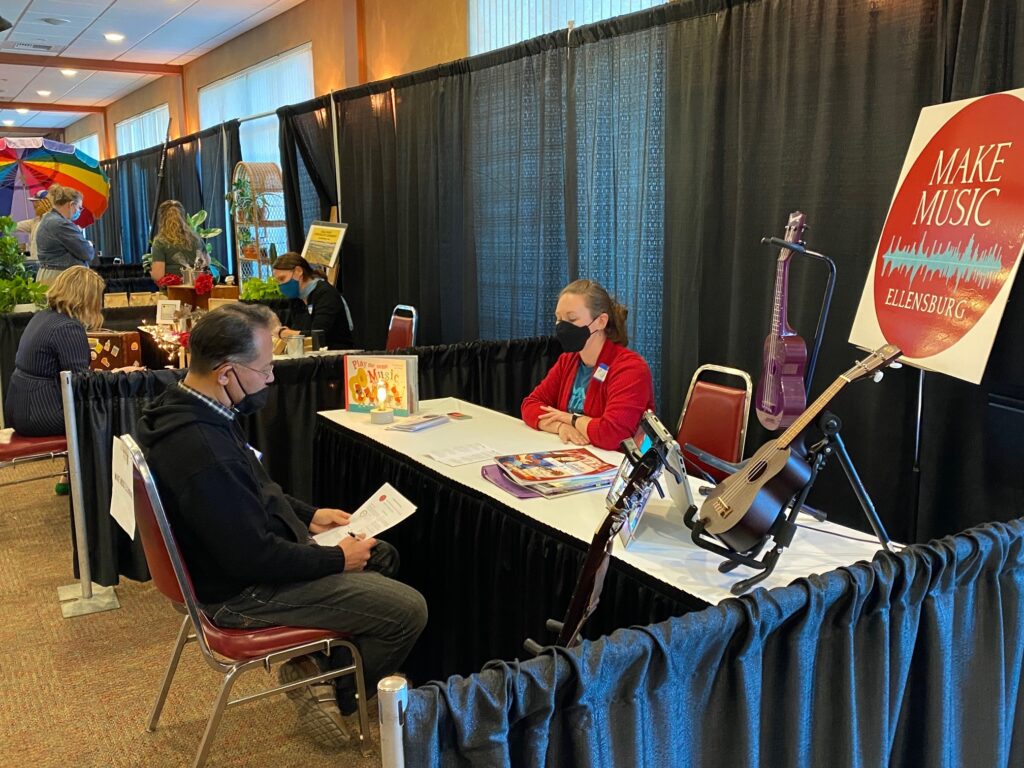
(54, 341)
(598, 390)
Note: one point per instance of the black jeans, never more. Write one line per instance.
(383, 616)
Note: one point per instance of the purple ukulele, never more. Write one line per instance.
(781, 396)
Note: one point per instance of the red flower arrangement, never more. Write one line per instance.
(204, 283)
(183, 339)
(169, 279)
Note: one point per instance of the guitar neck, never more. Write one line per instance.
(811, 413)
(779, 319)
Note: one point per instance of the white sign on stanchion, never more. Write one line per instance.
(122, 488)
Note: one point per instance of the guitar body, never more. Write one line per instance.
(780, 391)
(742, 509)
(781, 396)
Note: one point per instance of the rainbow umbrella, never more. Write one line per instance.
(30, 165)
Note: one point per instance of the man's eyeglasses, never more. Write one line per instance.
(266, 373)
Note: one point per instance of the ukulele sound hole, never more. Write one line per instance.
(757, 470)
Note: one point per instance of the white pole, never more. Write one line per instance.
(392, 703)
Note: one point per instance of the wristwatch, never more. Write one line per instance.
(573, 420)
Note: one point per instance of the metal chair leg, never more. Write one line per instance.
(364, 719)
(169, 674)
(218, 712)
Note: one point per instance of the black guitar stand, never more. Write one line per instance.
(826, 299)
(784, 528)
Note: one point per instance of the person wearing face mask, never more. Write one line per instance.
(326, 310)
(248, 544)
(598, 390)
(60, 243)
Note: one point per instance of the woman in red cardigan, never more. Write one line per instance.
(598, 390)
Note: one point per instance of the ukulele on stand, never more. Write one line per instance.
(781, 395)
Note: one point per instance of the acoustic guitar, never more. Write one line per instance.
(781, 396)
(742, 509)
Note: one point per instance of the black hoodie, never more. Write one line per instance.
(235, 526)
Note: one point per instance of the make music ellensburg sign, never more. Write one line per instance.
(953, 238)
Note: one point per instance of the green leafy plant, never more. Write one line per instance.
(12, 261)
(257, 289)
(21, 290)
(195, 222)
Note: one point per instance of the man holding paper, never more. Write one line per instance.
(247, 544)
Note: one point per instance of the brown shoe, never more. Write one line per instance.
(316, 706)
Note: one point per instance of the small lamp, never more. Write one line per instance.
(382, 414)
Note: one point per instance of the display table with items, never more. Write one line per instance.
(494, 567)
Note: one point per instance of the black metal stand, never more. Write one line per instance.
(826, 300)
(782, 532)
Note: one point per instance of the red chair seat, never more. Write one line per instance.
(245, 644)
(22, 447)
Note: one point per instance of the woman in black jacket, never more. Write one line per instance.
(326, 309)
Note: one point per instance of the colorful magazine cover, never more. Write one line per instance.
(548, 466)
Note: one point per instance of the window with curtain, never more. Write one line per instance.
(142, 131)
(90, 145)
(497, 23)
(281, 80)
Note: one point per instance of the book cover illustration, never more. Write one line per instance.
(550, 466)
(367, 379)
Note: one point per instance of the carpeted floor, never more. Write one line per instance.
(76, 693)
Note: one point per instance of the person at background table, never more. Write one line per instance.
(326, 309)
(60, 243)
(40, 205)
(247, 543)
(54, 341)
(175, 245)
(598, 390)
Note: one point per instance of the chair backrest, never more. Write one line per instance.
(402, 327)
(166, 565)
(714, 417)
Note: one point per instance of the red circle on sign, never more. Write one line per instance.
(954, 230)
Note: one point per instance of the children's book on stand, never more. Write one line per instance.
(382, 381)
(557, 473)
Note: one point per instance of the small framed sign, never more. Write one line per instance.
(323, 243)
(166, 310)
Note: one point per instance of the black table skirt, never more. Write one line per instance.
(491, 575)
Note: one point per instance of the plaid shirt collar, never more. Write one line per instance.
(227, 413)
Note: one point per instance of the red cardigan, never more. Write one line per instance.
(615, 404)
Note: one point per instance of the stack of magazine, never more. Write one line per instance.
(557, 473)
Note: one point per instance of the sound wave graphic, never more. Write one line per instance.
(953, 262)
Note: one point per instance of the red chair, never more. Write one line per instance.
(402, 327)
(714, 418)
(229, 651)
(25, 450)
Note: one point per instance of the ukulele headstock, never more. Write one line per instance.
(795, 228)
(873, 363)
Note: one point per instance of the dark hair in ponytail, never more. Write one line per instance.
(291, 260)
(599, 302)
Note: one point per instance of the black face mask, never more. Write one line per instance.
(572, 337)
(251, 403)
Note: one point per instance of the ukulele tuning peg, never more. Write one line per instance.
(895, 366)
(877, 377)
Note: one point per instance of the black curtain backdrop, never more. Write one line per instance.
(138, 177)
(106, 232)
(181, 179)
(219, 150)
(373, 276)
(910, 660)
(435, 206)
(307, 165)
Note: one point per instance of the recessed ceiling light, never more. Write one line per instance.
(8, 122)
(114, 37)
(21, 111)
(69, 72)
(43, 93)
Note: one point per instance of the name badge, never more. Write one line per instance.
(601, 372)
(256, 453)
(309, 309)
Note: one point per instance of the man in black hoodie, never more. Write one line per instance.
(246, 543)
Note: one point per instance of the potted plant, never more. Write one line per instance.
(258, 289)
(21, 294)
(12, 260)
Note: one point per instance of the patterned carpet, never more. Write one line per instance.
(77, 692)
